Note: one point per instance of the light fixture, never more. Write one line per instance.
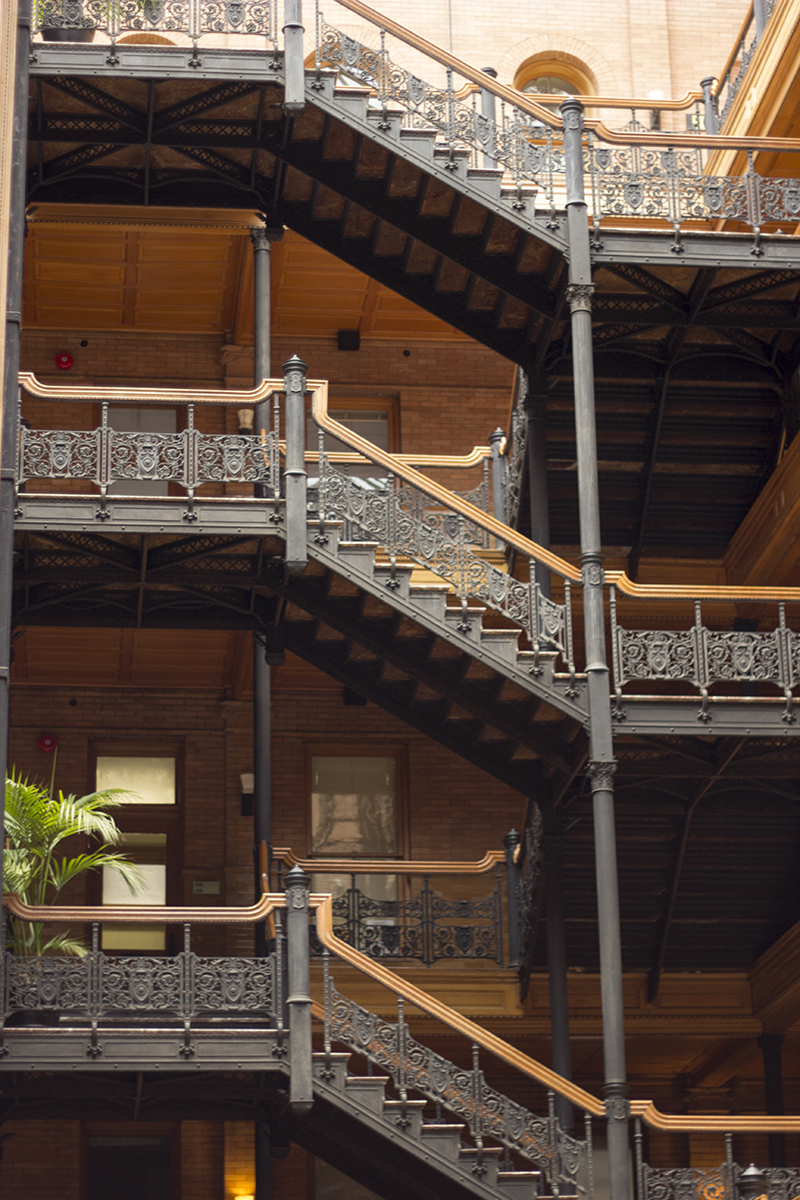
(246, 416)
(247, 780)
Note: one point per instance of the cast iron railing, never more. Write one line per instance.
(565, 1161)
(705, 658)
(740, 58)
(194, 18)
(728, 1181)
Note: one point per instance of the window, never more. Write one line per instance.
(151, 825)
(550, 74)
(357, 812)
(373, 419)
(130, 1161)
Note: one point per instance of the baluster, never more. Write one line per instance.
(615, 657)
(534, 616)
(274, 450)
(384, 122)
(552, 1129)
(786, 672)
(327, 1070)
(498, 919)
(353, 916)
(451, 122)
(587, 1125)
(190, 464)
(402, 1082)
(637, 1143)
(590, 157)
(569, 645)
(104, 463)
(321, 537)
(701, 663)
(317, 84)
(464, 624)
(392, 502)
(730, 1169)
(754, 203)
(187, 990)
(279, 1025)
(426, 922)
(477, 1103)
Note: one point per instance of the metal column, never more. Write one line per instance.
(553, 852)
(8, 449)
(601, 749)
(771, 1044)
(261, 238)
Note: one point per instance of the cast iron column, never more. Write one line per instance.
(771, 1044)
(601, 749)
(261, 238)
(553, 853)
(8, 449)
(301, 1090)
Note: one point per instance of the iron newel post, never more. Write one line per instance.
(601, 748)
(294, 383)
(301, 1095)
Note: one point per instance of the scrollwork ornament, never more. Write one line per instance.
(579, 297)
(601, 775)
(592, 575)
(617, 1108)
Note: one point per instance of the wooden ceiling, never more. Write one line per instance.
(91, 268)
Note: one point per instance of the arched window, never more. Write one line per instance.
(549, 74)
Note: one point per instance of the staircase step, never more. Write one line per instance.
(392, 1110)
(393, 117)
(353, 100)
(546, 664)
(455, 616)
(444, 1139)
(368, 1090)
(458, 163)
(401, 584)
(358, 555)
(489, 1164)
(421, 141)
(502, 642)
(336, 1062)
(431, 599)
(488, 180)
(519, 1185)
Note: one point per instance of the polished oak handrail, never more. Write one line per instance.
(397, 866)
(319, 411)
(522, 101)
(458, 461)
(91, 394)
(678, 591)
(323, 904)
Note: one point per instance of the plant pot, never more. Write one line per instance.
(67, 35)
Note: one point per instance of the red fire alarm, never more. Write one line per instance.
(47, 743)
(64, 361)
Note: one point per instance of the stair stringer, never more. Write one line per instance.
(355, 561)
(351, 107)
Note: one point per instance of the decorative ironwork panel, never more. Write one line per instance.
(143, 456)
(743, 655)
(47, 983)
(516, 452)
(655, 654)
(408, 523)
(231, 984)
(464, 1093)
(191, 17)
(236, 16)
(424, 926)
(527, 149)
(783, 1183)
(778, 199)
(686, 1183)
(233, 458)
(140, 984)
(60, 454)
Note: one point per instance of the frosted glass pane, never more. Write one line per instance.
(152, 891)
(151, 779)
(354, 805)
(135, 937)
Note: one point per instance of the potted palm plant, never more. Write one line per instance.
(37, 823)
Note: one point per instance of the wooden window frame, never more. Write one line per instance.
(396, 750)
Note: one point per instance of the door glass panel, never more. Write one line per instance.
(354, 806)
(149, 851)
(151, 780)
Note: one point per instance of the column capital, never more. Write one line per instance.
(262, 235)
(579, 296)
(601, 774)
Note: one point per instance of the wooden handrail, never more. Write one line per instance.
(678, 591)
(524, 102)
(232, 397)
(457, 461)
(142, 914)
(378, 866)
(323, 905)
(319, 411)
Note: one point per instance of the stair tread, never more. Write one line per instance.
(409, 1104)
(442, 1128)
(487, 1152)
(501, 1175)
(367, 1080)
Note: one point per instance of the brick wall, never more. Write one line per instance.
(41, 1161)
